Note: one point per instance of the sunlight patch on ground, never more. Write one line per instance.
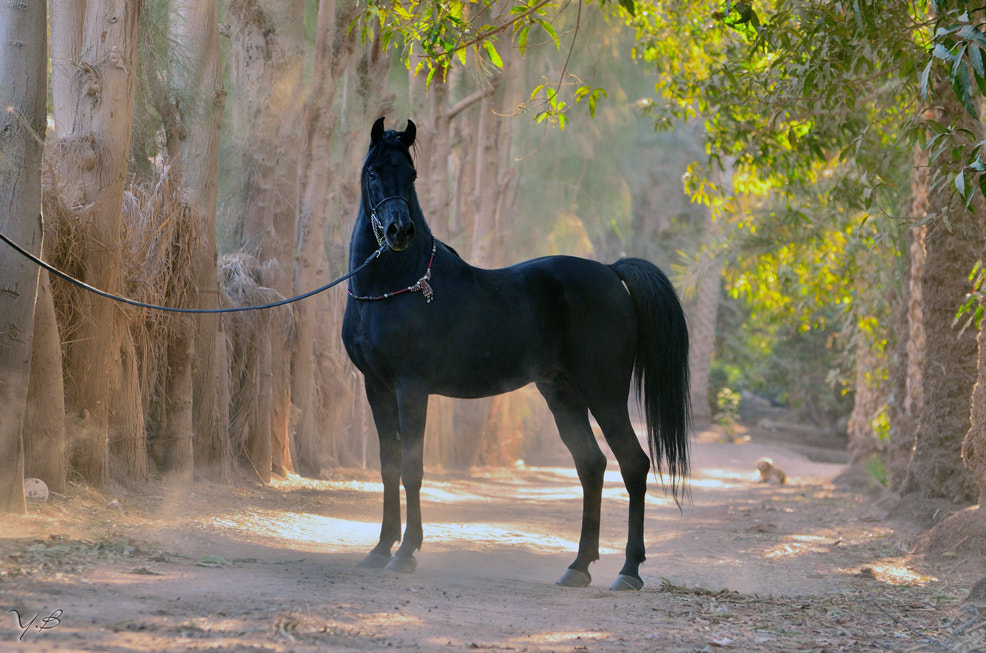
(383, 623)
(482, 536)
(799, 545)
(304, 531)
(718, 479)
(554, 638)
(891, 572)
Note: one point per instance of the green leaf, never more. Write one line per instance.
(629, 6)
(924, 79)
(494, 55)
(943, 53)
(522, 39)
(960, 84)
(546, 26)
(970, 33)
(978, 70)
(960, 184)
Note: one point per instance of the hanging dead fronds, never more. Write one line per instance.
(159, 237)
(254, 336)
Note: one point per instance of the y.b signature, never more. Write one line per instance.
(53, 620)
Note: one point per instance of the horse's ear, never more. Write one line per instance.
(376, 133)
(407, 136)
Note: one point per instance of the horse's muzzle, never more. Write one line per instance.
(399, 234)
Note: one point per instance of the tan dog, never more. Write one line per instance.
(769, 471)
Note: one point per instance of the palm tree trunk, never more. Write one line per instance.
(948, 371)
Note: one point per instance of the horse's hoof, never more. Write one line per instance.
(374, 561)
(402, 565)
(574, 578)
(624, 583)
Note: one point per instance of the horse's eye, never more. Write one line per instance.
(371, 173)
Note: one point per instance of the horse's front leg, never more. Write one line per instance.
(383, 403)
(413, 407)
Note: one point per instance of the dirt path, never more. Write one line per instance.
(744, 567)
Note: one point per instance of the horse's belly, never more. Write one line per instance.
(470, 377)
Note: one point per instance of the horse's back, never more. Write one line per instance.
(585, 310)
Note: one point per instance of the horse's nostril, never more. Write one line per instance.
(410, 230)
(392, 230)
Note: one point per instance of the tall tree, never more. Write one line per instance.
(335, 49)
(196, 74)
(23, 69)
(103, 91)
(266, 66)
(953, 243)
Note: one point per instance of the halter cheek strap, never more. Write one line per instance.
(375, 221)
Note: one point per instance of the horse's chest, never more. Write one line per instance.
(380, 340)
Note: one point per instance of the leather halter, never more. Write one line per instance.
(375, 221)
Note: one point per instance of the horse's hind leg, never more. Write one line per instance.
(383, 403)
(572, 418)
(634, 465)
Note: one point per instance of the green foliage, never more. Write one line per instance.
(434, 35)
(727, 406)
(875, 466)
(972, 308)
(431, 37)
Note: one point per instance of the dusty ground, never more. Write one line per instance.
(744, 567)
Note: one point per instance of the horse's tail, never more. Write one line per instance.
(660, 372)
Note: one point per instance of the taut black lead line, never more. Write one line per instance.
(124, 300)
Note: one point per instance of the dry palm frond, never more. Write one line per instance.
(242, 278)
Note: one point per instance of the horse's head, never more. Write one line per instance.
(388, 185)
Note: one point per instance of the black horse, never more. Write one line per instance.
(422, 321)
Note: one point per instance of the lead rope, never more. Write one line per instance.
(132, 302)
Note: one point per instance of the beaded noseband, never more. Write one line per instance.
(421, 285)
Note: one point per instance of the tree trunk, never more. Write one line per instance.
(44, 422)
(267, 62)
(257, 447)
(871, 396)
(952, 247)
(197, 77)
(176, 435)
(66, 22)
(23, 67)
(334, 50)
(341, 392)
(44, 430)
(974, 445)
(125, 427)
(104, 91)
